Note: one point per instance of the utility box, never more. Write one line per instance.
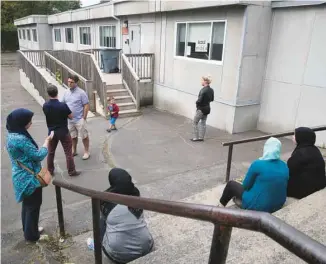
(110, 60)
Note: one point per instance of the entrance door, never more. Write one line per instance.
(134, 38)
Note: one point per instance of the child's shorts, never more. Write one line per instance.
(112, 120)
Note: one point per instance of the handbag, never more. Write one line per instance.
(43, 176)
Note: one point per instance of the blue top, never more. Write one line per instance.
(56, 114)
(76, 98)
(21, 148)
(265, 185)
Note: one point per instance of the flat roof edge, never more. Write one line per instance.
(283, 4)
(31, 16)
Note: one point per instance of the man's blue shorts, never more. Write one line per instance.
(112, 120)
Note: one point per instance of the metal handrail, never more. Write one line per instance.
(248, 140)
(224, 219)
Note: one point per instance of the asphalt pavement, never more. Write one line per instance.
(154, 148)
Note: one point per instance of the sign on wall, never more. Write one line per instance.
(201, 46)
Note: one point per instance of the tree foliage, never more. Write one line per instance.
(11, 10)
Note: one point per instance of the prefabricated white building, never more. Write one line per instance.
(266, 59)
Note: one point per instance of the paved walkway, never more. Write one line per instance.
(94, 171)
(154, 148)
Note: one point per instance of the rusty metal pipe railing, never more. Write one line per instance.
(230, 144)
(223, 218)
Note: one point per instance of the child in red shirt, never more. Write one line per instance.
(113, 109)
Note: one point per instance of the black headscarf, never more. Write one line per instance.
(17, 121)
(306, 165)
(121, 183)
(305, 136)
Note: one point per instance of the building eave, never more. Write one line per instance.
(32, 19)
(284, 4)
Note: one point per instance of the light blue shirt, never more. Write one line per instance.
(76, 99)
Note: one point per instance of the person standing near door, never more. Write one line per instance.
(206, 95)
(77, 101)
(57, 115)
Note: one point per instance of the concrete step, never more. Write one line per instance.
(190, 241)
(117, 92)
(127, 106)
(170, 232)
(78, 219)
(154, 222)
(173, 236)
(78, 216)
(122, 99)
(129, 113)
(114, 87)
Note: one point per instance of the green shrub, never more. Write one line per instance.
(9, 40)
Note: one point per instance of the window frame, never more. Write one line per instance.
(24, 34)
(72, 35)
(99, 36)
(36, 37)
(216, 62)
(54, 30)
(28, 34)
(90, 35)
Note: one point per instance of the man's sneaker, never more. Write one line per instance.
(40, 229)
(86, 156)
(197, 139)
(76, 173)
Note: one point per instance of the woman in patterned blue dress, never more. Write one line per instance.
(22, 147)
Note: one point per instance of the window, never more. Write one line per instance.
(200, 40)
(69, 35)
(28, 34)
(24, 35)
(19, 34)
(107, 36)
(57, 35)
(34, 35)
(85, 35)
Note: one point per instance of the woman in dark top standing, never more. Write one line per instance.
(306, 165)
(206, 95)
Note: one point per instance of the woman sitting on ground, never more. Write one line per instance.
(125, 236)
(264, 187)
(306, 165)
